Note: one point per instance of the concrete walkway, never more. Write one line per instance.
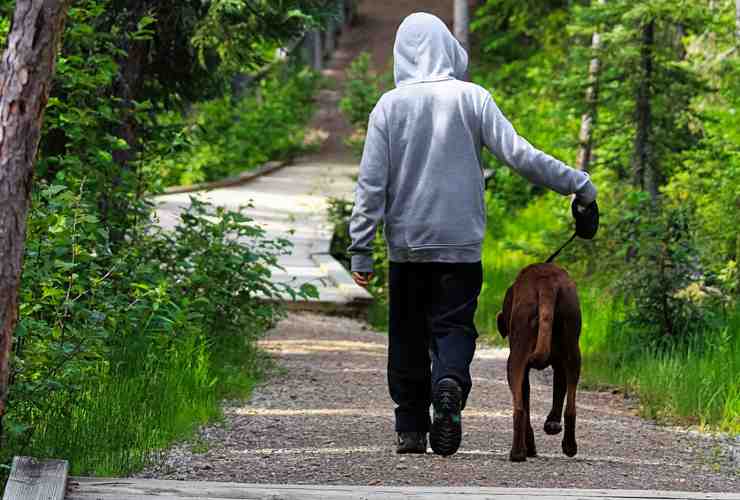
(291, 203)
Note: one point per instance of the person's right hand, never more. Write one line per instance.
(586, 217)
(362, 279)
(574, 201)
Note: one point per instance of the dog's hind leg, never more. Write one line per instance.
(529, 438)
(559, 384)
(571, 314)
(516, 369)
(573, 369)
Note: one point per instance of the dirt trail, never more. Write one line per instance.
(325, 417)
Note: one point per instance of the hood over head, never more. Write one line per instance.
(425, 50)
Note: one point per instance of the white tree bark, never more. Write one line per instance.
(462, 22)
(585, 142)
(737, 19)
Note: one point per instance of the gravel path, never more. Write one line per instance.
(324, 417)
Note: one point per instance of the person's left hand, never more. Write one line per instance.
(363, 279)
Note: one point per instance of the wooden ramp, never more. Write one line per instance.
(134, 489)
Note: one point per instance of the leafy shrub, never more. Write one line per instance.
(144, 338)
(129, 335)
(361, 92)
(663, 278)
(225, 136)
(363, 88)
(340, 211)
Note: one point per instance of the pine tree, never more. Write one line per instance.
(645, 91)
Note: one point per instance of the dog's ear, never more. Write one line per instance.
(502, 319)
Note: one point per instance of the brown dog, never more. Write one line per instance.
(542, 318)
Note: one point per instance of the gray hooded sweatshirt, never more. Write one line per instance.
(421, 167)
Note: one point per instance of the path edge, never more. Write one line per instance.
(235, 180)
(357, 300)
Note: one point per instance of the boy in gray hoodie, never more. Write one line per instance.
(421, 174)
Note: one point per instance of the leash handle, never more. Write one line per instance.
(552, 257)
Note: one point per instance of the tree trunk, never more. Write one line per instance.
(114, 203)
(645, 171)
(26, 71)
(680, 48)
(462, 22)
(737, 19)
(585, 136)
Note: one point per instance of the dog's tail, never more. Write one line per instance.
(546, 312)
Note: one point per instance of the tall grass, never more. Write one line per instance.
(696, 381)
(121, 421)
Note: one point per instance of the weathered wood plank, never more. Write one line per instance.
(139, 489)
(32, 479)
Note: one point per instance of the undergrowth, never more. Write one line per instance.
(692, 381)
(117, 355)
(228, 135)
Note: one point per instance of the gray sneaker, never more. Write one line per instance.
(412, 442)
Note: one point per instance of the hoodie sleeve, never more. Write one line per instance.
(531, 163)
(370, 192)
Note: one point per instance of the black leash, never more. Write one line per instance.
(552, 257)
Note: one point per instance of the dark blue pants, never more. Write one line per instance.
(431, 334)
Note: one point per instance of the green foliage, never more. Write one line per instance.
(239, 31)
(129, 335)
(225, 136)
(363, 88)
(339, 215)
(128, 69)
(6, 15)
(664, 278)
(362, 91)
(140, 337)
(114, 423)
(694, 379)
(672, 82)
(514, 30)
(659, 285)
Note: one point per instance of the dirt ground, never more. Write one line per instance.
(325, 417)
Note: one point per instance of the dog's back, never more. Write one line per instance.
(541, 304)
(541, 317)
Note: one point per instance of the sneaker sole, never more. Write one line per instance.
(409, 451)
(446, 432)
